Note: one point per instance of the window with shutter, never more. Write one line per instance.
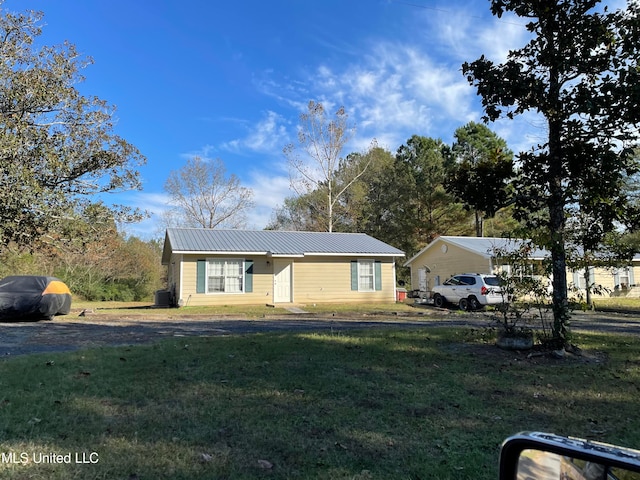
(366, 275)
(223, 275)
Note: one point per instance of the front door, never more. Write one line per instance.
(422, 279)
(281, 281)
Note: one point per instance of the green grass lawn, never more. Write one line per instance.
(374, 404)
(625, 303)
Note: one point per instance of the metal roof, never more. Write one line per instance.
(273, 242)
(488, 246)
(485, 246)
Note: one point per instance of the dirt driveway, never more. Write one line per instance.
(68, 333)
(73, 332)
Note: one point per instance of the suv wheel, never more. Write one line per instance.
(438, 300)
(473, 303)
(463, 304)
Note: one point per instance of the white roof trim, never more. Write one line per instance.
(285, 255)
(210, 252)
(484, 254)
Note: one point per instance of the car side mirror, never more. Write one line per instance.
(545, 456)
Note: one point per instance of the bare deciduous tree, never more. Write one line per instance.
(314, 163)
(203, 196)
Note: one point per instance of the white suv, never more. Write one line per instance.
(470, 291)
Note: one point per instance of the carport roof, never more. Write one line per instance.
(272, 242)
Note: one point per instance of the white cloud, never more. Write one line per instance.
(269, 192)
(293, 93)
(155, 204)
(268, 135)
(395, 91)
(391, 90)
(498, 37)
(206, 152)
(463, 35)
(270, 188)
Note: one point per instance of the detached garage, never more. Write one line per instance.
(242, 267)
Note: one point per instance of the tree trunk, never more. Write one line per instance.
(557, 230)
(557, 198)
(330, 211)
(588, 287)
(559, 269)
(479, 224)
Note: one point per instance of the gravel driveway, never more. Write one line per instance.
(72, 333)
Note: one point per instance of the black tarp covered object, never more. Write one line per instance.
(31, 297)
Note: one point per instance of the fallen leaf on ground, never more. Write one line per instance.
(205, 457)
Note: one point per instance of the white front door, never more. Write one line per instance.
(422, 279)
(281, 281)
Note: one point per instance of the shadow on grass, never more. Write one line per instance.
(365, 404)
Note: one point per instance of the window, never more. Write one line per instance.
(580, 283)
(503, 269)
(622, 278)
(493, 281)
(225, 276)
(579, 280)
(366, 276)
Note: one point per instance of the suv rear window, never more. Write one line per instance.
(492, 281)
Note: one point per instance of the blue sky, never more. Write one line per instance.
(228, 79)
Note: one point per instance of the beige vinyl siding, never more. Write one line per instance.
(605, 278)
(314, 280)
(262, 285)
(458, 260)
(446, 264)
(173, 274)
(328, 280)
